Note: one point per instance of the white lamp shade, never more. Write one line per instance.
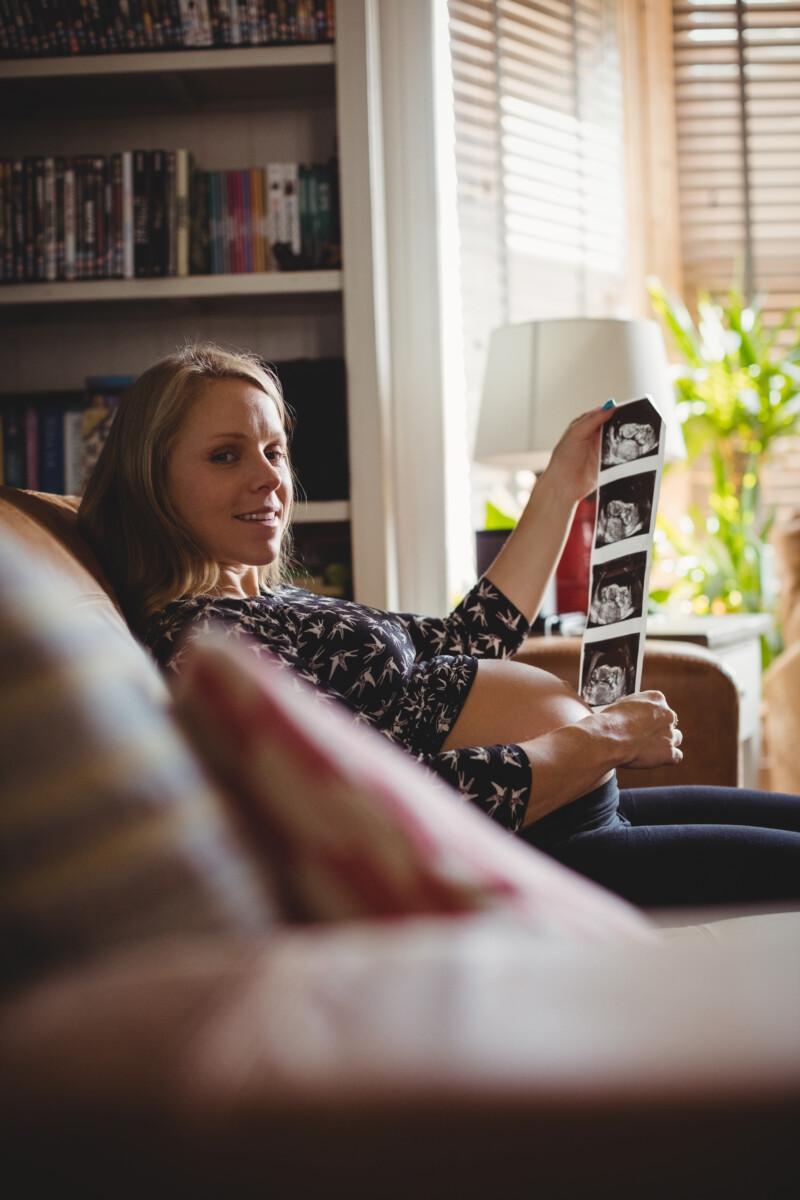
(542, 374)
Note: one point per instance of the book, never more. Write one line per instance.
(73, 450)
(277, 223)
(18, 218)
(31, 428)
(141, 213)
(158, 255)
(70, 245)
(171, 206)
(38, 220)
(51, 447)
(183, 170)
(50, 232)
(29, 219)
(292, 207)
(116, 251)
(13, 441)
(128, 251)
(103, 395)
(3, 278)
(199, 227)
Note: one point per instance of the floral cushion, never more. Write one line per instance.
(352, 827)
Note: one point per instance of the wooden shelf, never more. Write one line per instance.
(242, 58)
(194, 287)
(312, 512)
(180, 80)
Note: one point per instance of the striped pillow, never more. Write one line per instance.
(351, 826)
(110, 830)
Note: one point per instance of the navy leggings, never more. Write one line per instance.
(679, 845)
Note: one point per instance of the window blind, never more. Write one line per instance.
(539, 164)
(737, 90)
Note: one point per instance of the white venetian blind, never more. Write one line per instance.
(737, 84)
(539, 162)
(737, 90)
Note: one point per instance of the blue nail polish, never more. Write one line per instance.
(608, 404)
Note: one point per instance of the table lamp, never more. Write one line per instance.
(542, 374)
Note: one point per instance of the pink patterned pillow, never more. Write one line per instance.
(350, 825)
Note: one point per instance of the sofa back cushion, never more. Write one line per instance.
(48, 524)
(110, 829)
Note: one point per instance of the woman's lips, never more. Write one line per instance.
(260, 516)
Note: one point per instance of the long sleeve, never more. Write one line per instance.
(485, 624)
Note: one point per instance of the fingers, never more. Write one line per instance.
(592, 420)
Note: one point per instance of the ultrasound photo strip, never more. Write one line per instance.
(628, 484)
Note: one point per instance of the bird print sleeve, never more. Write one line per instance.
(485, 624)
(407, 676)
(497, 779)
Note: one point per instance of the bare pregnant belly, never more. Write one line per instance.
(511, 702)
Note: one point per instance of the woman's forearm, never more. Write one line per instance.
(565, 764)
(523, 568)
(639, 731)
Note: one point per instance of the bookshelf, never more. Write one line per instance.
(233, 108)
(193, 287)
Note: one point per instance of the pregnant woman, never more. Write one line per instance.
(189, 508)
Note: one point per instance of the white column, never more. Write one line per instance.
(366, 319)
(430, 466)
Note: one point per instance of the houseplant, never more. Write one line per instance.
(738, 391)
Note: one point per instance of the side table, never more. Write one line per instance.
(735, 639)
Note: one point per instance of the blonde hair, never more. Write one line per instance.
(126, 515)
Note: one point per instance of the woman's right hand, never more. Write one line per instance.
(645, 730)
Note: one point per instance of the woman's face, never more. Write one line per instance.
(228, 474)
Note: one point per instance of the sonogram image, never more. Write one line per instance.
(617, 589)
(624, 508)
(609, 670)
(632, 433)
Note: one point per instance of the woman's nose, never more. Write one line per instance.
(267, 475)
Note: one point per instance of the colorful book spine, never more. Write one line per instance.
(70, 249)
(50, 221)
(128, 239)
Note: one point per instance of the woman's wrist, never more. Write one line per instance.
(567, 763)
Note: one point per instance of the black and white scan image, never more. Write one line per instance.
(609, 670)
(617, 589)
(632, 433)
(624, 508)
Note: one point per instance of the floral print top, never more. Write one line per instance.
(407, 675)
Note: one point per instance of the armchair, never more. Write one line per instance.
(702, 691)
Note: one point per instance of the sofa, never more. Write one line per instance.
(424, 1056)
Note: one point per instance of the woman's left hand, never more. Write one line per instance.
(573, 463)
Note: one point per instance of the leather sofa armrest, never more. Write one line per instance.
(433, 1059)
(696, 684)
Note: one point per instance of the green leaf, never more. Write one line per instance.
(496, 519)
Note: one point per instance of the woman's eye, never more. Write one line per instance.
(222, 456)
(276, 456)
